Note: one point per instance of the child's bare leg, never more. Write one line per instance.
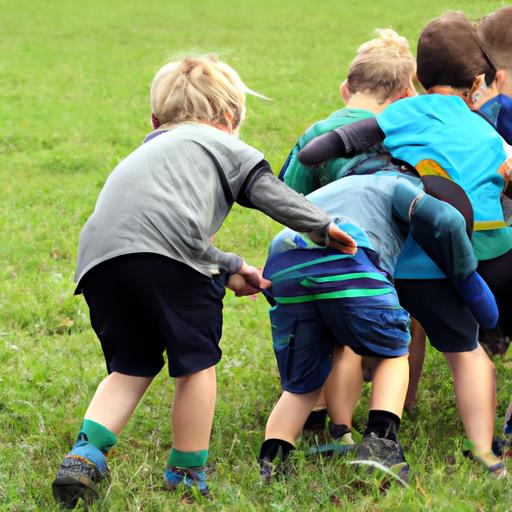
(289, 414)
(344, 385)
(115, 400)
(475, 392)
(85, 465)
(193, 408)
(416, 359)
(380, 440)
(389, 385)
(321, 402)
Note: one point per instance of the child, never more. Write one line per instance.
(496, 36)
(150, 274)
(327, 301)
(439, 134)
(381, 73)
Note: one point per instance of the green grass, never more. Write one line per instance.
(74, 80)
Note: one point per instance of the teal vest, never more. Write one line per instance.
(440, 135)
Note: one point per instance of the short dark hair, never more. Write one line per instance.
(450, 53)
(495, 31)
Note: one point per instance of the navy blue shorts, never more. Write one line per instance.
(305, 335)
(448, 323)
(142, 305)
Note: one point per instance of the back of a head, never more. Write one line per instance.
(450, 53)
(495, 31)
(383, 66)
(200, 89)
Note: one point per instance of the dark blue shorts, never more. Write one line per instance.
(448, 322)
(142, 305)
(305, 335)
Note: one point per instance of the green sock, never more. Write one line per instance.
(187, 460)
(98, 435)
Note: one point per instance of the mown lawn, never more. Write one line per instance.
(74, 80)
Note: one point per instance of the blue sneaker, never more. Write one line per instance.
(79, 474)
(189, 478)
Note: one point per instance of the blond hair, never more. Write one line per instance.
(495, 32)
(383, 66)
(200, 89)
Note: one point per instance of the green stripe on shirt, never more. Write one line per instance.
(341, 294)
(312, 281)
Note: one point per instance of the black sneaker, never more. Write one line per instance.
(79, 474)
(386, 452)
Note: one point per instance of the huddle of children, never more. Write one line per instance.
(395, 190)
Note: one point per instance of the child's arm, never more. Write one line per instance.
(441, 232)
(263, 191)
(350, 139)
(437, 227)
(241, 285)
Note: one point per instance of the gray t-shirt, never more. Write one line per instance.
(173, 193)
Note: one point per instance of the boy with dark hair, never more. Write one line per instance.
(496, 35)
(438, 134)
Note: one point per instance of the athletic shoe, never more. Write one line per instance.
(79, 474)
(342, 434)
(189, 478)
(385, 451)
(492, 464)
(491, 461)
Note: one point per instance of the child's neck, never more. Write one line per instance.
(366, 102)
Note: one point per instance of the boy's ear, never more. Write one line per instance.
(500, 79)
(409, 91)
(344, 92)
(154, 121)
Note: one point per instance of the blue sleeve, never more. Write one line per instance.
(479, 299)
(441, 231)
(438, 228)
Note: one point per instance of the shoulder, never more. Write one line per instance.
(337, 119)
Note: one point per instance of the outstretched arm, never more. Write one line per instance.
(440, 230)
(263, 191)
(350, 139)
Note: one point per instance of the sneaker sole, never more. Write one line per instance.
(67, 491)
(398, 473)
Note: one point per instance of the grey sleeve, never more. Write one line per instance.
(225, 260)
(271, 196)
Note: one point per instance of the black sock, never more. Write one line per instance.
(316, 420)
(383, 424)
(338, 431)
(272, 449)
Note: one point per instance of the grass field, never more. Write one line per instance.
(74, 80)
